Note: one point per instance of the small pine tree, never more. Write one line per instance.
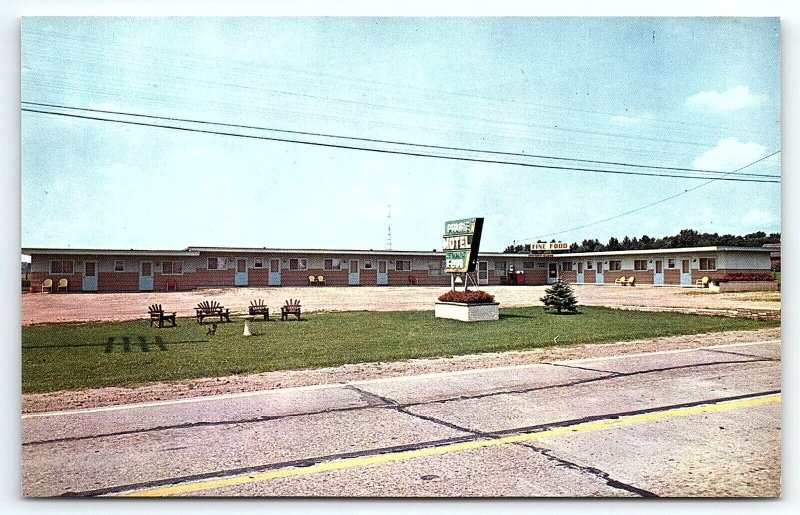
(560, 296)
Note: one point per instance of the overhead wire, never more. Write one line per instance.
(386, 150)
(401, 143)
(646, 205)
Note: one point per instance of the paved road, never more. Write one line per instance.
(699, 422)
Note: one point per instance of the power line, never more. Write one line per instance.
(647, 205)
(372, 140)
(377, 150)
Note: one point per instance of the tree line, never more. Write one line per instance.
(685, 238)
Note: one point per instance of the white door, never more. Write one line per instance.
(274, 278)
(146, 276)
(240, 278)
(483, 273)
(686, 273)
(552, 273)
(658, 274)
(354, 277)
(579, 274)
(89, 282)
(598, 276)
(383, 274)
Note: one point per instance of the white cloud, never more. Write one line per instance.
(757, 219)
(728, 155)
(735, 98)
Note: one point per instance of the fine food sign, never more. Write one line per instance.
(556, 245)
(460, 243)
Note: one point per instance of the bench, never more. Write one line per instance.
(257, 307)
(212, 309)
(157, 316)
(292, 307)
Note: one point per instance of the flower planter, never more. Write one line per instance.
(728, 286)
(468, 312)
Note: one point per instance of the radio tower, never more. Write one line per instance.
(388, 244)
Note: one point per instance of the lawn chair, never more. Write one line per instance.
(157, 316)
(172, 284)
(48, 284)
(702, 283)
(620, 281)
(292, 307)
(321, 280)
(630, 281)
(312, 280)
(63, 283)
(258, 307)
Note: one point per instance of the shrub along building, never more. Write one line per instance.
(104, 270)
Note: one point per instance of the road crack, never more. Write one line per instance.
(593, 471)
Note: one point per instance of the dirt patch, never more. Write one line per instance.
(38, 308)
(285, 379)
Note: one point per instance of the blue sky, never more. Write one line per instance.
(693, 93)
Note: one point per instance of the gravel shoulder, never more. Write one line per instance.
(56, 401)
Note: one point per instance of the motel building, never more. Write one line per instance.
(104, 270)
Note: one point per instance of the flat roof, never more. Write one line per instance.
(683, 250)
(195, 251)
(109, 252)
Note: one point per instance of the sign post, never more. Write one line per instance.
(460, 242)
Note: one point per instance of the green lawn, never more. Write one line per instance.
(72, 356)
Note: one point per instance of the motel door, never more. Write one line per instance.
(686, 273)
(146, 276)
(240, 279)
(552, 273)
(579, 274)
(354, 277)
(483, 273)
(274, 278)
(658, 275)
(383, 275)
(598, 276)
(89, 276)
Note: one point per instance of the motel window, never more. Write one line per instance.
(435, 267)
(119, 265)
(528, 264)
(671, 263)
(615, 265)
(217, 263)
(402, 265)
(640, 264)
(258, 263)
(708, 263)
(566, 266)
(298, 264)
(588, 265)
(541, 265)
(367, 264)
(172, 267)
(500, 268)
(333, 264)
(61, 266)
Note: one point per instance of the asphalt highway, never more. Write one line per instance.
(682, 423)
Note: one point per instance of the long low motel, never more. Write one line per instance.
(104, 270)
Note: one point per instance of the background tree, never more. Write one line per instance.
(560, 296)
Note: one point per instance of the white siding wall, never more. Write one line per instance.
(744, 260)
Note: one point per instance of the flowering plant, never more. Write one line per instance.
(743, 277)
(467, 297)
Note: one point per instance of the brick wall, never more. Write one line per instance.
(73, 286)
(117, 281)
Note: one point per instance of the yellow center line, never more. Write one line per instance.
(362, 461)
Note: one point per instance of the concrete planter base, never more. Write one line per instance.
(743, 286)
(468, 312)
